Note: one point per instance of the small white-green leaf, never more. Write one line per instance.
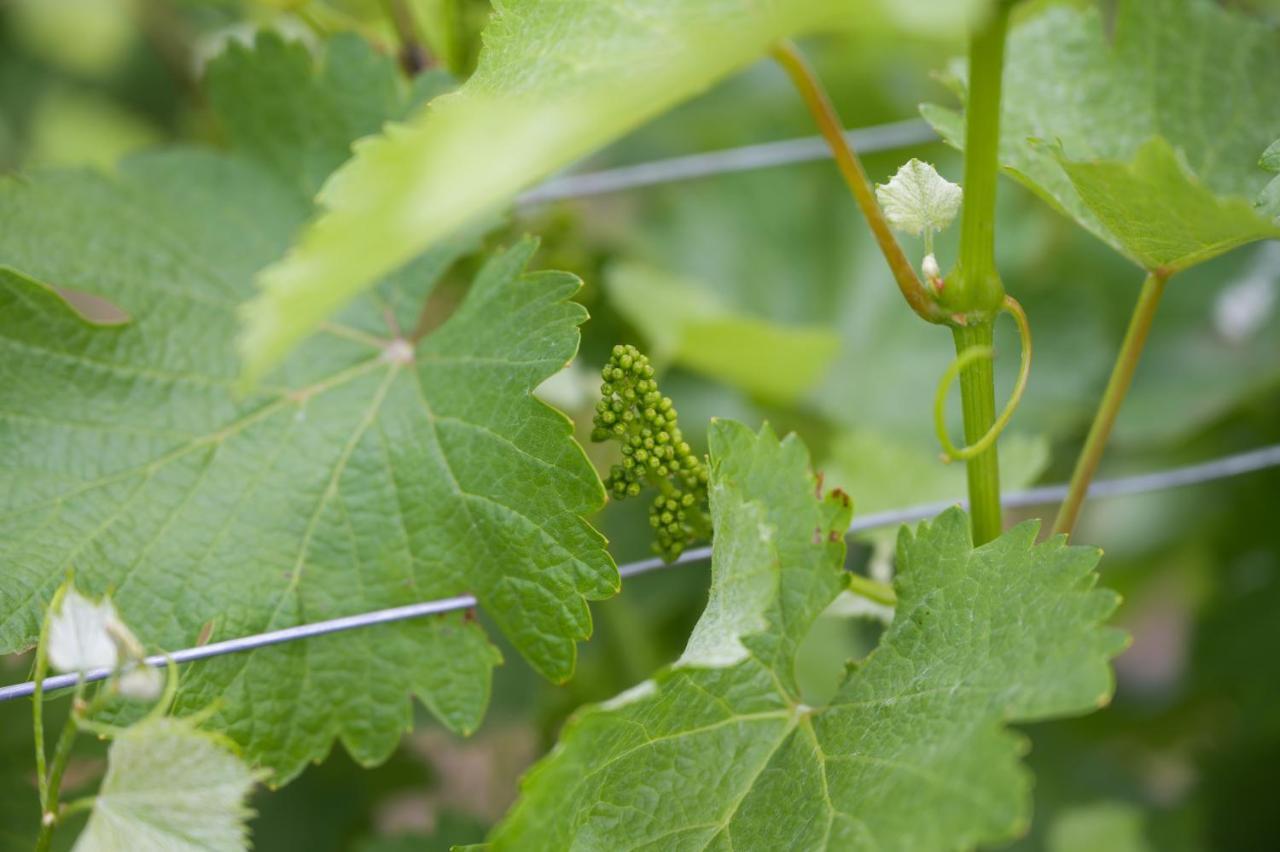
(141, 683)
(80, 633)
(170, 788)
(918, 199)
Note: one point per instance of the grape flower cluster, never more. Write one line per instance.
(643, 421)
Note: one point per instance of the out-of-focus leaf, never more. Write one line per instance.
(80, 633)
(688, 326)
(554, 83)
(83, 36)
(452, 832)
(170, 788)
(1149, 137)
(75, 128)
(1110, 826)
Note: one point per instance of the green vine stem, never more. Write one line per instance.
(824, 113)
(1135, 339)
(973, 290)
(978, 403)
(37, 698)
(61, 757)
(973, 295)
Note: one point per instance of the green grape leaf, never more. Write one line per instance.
(690, 327)
(378, 470)
(918, 200)
(554, 83)
(170, 788)
(718, 752)
(296, 115)
(1112, 825)
(1148, 137)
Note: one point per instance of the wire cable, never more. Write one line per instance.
(865, 140)
(1223, 468)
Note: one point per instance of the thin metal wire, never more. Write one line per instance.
(1223, 468)
(865, 140)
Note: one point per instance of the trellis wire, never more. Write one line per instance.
(1222, 468)
(866, 140)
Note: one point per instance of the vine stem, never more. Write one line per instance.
(978, 402)
(824, 114)
(61, 757)
(1135, 339)
(975, 286)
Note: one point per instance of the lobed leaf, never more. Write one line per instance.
(718, 752)
(170, 788)
(377, 471)
(1148, 137)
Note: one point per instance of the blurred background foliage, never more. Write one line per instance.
(760, 296)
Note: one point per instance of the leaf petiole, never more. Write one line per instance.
(1095, 444)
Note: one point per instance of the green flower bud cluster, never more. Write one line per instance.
(643, 421)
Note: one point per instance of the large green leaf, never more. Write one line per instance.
(718, 752)
(375, 472)
(553, 84)
(555, 81)
(1149, 137)
(170, 788)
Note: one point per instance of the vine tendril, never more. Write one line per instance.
(950, 452)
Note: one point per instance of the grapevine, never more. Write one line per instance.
(322, 463)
